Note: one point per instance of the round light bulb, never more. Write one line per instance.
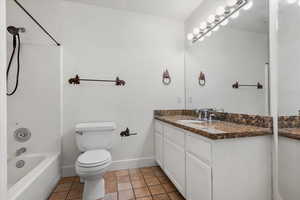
(216, 28)
(208, 34)
(235, 15)
(211, 19)
(196, 31)
(291, 1)
(203, 26)
(225, 22)
(190, 36)
(220, 11)
(248, 5)
(231, 3)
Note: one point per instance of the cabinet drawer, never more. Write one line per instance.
(198, 147)
(174, 135)
(158, 127)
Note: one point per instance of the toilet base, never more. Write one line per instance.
(93, 189)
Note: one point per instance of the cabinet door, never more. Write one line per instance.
(174, 163)
(198, 179)
(159, 149)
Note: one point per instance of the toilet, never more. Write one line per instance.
(94, 141)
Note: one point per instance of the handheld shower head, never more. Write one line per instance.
(14, 30)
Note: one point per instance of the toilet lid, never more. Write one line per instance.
(94, 158)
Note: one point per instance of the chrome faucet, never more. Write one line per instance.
(204, 112)
(21, 151)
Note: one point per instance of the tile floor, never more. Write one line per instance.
(148, 183)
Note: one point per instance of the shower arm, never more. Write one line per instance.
(44, 30)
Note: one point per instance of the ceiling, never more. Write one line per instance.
(175, 9)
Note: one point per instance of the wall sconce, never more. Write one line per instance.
(166, 79)
(213, 23)
(202, 79)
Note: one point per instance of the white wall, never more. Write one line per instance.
(227, 56)
(36, 104)
(103, 43)
(288, 57)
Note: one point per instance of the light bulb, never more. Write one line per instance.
(211, 19)
(235, 15)
(201, 39)
(203, 26)
(231, 3)
(225, 22)
(196, 31)
(216, 28)
(291, 1)
(190, 36)
(248, 5)
(220, 11)
(208, 34)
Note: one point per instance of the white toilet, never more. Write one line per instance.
(94, 140)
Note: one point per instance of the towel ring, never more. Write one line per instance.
(202, 79)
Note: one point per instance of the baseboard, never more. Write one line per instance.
(69, 170)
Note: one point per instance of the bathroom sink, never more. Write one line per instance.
(195, 121)
(202, 125)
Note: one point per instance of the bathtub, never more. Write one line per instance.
(36, 179)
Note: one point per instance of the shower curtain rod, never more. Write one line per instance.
(45, 31)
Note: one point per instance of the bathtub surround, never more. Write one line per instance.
(3, 103)
(138, 53)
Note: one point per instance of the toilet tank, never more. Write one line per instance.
(94, 135)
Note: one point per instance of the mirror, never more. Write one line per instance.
(228, 70)
(289, 100)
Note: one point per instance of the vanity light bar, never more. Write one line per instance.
(293, 1)
(221, 18)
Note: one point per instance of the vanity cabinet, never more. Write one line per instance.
(174, 157)
(198, 179)
(206, 169)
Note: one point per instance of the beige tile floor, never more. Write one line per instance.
(148, 183)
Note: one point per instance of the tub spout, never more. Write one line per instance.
(20, 151)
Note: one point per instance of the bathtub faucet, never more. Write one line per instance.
(20, 151)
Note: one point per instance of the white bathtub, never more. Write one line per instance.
(36, 179)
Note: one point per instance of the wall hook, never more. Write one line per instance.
(166, 78)
(202, 79)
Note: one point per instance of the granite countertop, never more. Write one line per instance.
(293, 133)
(215, 130)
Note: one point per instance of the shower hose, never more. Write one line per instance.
(16, 42)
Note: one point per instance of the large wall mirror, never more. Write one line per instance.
(289, 99)
(237, 54)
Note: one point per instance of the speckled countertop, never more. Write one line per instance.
(222, 129)
(293, 133)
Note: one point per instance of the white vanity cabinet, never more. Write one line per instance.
(198, 169)
(206, 169)
(158, 134)
(174, 157)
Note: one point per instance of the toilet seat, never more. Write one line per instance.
(94, 158)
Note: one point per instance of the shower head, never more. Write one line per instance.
(14, 30)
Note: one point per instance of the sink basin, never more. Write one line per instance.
(202, 125)
(195, 121)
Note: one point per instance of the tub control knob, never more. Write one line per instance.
(22, 134)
